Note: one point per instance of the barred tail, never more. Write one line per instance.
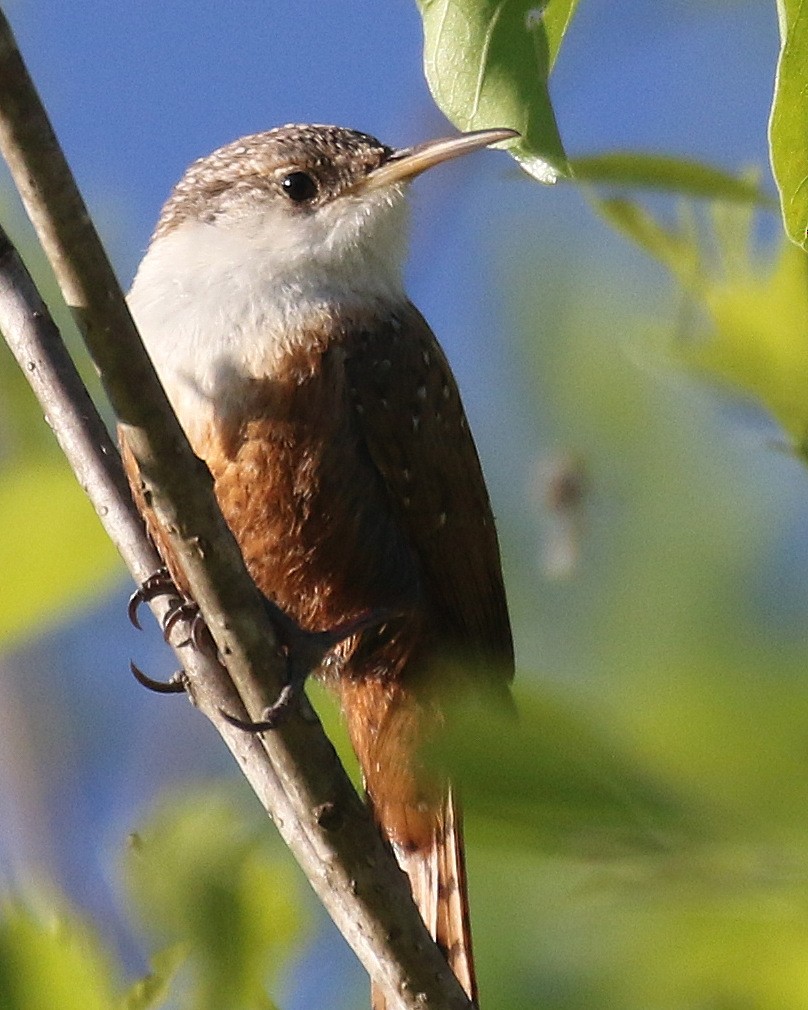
(437, 875)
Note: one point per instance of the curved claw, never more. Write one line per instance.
(272, 717)
(200, 636)
(185, 610)
(132, 608)
(174, 685)
(159, 583)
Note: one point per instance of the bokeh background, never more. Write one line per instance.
(641, 838)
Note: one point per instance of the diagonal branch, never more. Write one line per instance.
(294, 769)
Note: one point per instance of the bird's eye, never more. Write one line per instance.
(299, 186)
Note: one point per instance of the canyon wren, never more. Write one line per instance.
(272, 304)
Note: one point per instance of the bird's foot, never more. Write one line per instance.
(159, 583)
(181, 609)
(305, 651)
(198, 635)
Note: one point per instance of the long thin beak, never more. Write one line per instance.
(411, 161)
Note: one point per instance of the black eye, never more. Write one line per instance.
(299, 186)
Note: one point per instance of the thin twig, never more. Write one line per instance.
(302, 785)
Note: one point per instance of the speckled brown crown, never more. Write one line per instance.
(255, 165)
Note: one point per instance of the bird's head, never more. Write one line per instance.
(309, 193)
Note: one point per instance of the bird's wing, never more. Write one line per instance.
(410, 417)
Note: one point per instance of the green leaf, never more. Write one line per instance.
(670, 174)
(487, 64)
(788, 127)
(55, 963)
(556, 16)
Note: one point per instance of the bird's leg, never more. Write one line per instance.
(304, 652)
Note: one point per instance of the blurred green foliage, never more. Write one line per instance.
(755, 335)
(216, 898)
(51, 959)
(639, 838)
(207, 876)
(52, 541)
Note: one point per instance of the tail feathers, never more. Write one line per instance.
(438, 879)
(453, 926)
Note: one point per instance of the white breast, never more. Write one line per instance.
(216, 305)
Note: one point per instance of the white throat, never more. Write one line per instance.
(220, 303)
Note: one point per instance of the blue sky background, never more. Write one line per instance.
(136, 90)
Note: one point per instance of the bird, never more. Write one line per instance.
(272, 305)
